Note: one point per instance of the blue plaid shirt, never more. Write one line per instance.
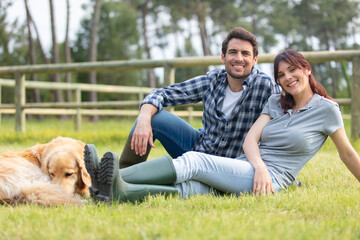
(220, 136)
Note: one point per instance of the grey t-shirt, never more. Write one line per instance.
(289, 140)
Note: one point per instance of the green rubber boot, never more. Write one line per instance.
(92, 163)
(157, 171)
(129, 157)
(111, 187)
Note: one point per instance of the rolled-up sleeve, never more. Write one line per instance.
(190, 91)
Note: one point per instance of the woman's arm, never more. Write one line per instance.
(347, 153)
(262, 180)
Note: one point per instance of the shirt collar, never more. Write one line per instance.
(314, 101)
(251, 78)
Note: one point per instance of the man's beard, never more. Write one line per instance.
(239, 77)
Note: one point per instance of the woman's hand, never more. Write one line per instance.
(262, 182)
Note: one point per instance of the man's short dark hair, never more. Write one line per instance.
(243, 34)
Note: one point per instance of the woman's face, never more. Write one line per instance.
(292, 79)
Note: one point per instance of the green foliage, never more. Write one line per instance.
(326, 207)
(303, 25)
(13, 49)
(118, 40)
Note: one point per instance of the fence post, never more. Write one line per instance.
(169, 77)
(355, 100)
(169, 74)
(190, 111)
(78, 110)
(141, 96)
(19, 102)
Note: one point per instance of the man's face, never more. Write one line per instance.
(239, 59)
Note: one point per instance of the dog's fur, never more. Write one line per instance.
(46, 174)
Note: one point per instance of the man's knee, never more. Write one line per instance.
(164, 120)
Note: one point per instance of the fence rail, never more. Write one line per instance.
(20, 108)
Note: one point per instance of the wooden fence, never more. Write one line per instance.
(20, 108)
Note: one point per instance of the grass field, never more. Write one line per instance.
(326, 207)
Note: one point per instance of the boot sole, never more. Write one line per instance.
(106, 176)
(89, 160)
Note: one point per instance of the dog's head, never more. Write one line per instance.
(62, 159)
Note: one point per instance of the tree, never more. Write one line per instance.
(13, 46)
(67, 49)
(145, 11)
(13, 49)
(93, 49)
(93, 44)
(286, 25)
(330, 24)
(55, 51)
(118, 39)
(201, 14)
(32, 52)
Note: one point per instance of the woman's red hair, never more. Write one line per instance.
(296, 59)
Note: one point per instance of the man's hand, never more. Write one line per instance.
(143, 135)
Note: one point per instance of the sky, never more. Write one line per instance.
(40, 12)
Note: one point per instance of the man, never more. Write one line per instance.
(232, 100)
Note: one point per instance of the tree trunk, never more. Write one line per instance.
(201, 15)
(67, 50)
(55, 51)
(93, 49)
(45, 58)
(309, 32)
(200, 10)
(33, 77)
(150, 72)
(331, 70)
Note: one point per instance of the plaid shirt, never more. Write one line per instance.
(220, 136)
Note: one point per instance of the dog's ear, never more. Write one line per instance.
(84, 174)
(85, 177)
(84, 181)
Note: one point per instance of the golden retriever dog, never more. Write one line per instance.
(46, 174)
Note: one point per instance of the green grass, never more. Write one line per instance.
(326, 207)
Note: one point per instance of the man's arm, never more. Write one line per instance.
(190, 91)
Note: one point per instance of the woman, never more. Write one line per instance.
(293, 127)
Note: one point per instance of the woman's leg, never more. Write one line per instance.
(225, 174)
(191, 187)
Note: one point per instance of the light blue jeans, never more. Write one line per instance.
(200, 173)
(176, 135)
